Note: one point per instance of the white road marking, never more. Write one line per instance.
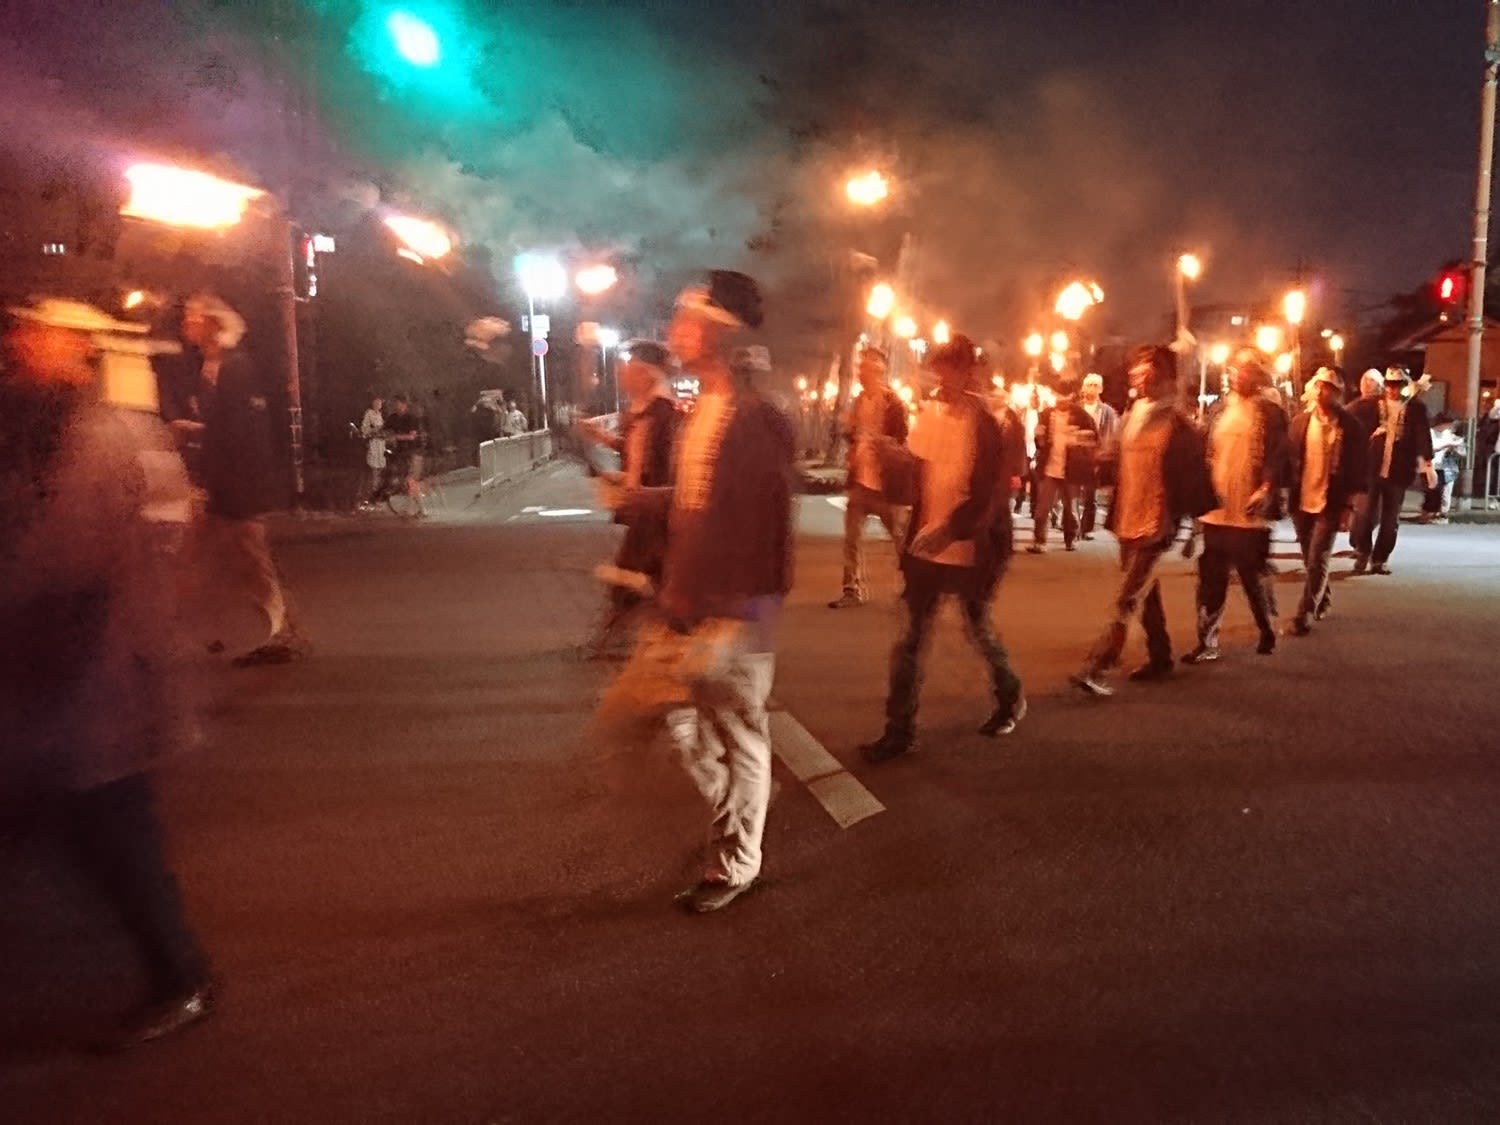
(839, 502)
(552, 512)
(837, 790)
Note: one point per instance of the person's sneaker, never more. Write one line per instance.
(1005, 719)
(886, 747)
(1300, 627)
(1323, 611)
(1267, 644)
(1036, 549)
(1091, 683)
(1151, 672)
(1380, 568)
(846, 601)
(159, 1020)
(1361, 564)
(1203, 654)
(710, 895)
(1087, 536)
(1069, 547)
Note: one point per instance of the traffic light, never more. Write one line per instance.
(1451, 290)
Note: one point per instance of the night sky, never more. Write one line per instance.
(1028, 141)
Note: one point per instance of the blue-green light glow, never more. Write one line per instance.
(415, 40)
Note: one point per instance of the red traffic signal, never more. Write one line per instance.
(1451, 287)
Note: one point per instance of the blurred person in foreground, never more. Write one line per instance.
(92, 694)
(1161, 479)
(1247, 460)
(958, 542)
(877, 413)
(239, 473)
(647, 437)
(1326, 458)
(1107, 424)
(1400, 450)
(705, 668)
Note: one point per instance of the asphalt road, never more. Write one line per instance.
(1264, 891)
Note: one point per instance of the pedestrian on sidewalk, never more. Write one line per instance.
(372, 429)
(1067, 439)
(876, 421)
(1161, 479)
(705, 669)
(239, 471)
(1400, 449)
(91, 671)
(1247, 461)
(1448, 452)
(1107, 424)
(958, 543)
(1326, 473)
(645, 442)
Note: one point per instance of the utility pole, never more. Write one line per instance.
(1481, 239)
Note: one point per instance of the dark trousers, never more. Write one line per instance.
(1049, 490)
(1090, 510)
(1376, 521)
(116, 837)
(926, 583)
(1245, 551)
(1315, 535)
(1139, 590)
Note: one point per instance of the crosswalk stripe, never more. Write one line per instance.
(837, 790)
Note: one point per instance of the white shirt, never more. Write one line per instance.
(1391, 416)
(1318, 456)
(370, 428)
(1232, 462)
(1057, 454)
(944, 438)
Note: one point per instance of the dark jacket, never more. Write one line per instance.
(1346, 479)
(645, 545)
(1078, 466)
(893, 416)
(1414, 445)
(1185, 477)
(239, 458)
(984, 517)
(738, 549)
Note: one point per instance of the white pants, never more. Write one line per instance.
(711, 694)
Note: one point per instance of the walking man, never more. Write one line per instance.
(957, 542)
(1161, 479)
(877, 413)
(1326, 473)
(1247, 462)
(1400, 448)
(1107, 425)
(1066, 441)
(706, 668)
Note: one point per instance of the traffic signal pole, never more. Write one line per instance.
(1481, 239)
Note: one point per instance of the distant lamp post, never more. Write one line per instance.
(425, 239)
(941, 333)
(882, 301)
(867, 189)
(180, 197)
(1294, 305)
(594, 280)
(544, 279)
(1189, 266)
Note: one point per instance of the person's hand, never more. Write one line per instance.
(1429, 474)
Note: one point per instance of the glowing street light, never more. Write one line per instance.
(867, 189)
(905, 327)
(1034, 345)
(415, 40)
(882, 301)
(1294, 305)
(594, 280)
(180, 197)
(1077, 298)
(941, 333)
(1268, 338)
(1190, 266)
(133, 299)
(542, 277)
(423, 238)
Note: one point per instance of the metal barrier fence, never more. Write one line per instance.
(506, 458)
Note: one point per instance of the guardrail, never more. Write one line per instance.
(503, 459)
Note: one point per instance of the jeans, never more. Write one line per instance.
(863, 503)
(925, 586)
(1315, 535)
(1139, 590)
(1377, 517)
(1245, 551)
(1049, 491)
(116, 837)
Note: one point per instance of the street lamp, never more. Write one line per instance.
(544, 279)
(594, 280)
(867, 189)
(1189, 266)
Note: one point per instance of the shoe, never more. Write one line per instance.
(1036, 549)
(1091, 683)
(1069, 547)
(886, 747)
(157, 1021)
(1380, 568)
(1300, 627)
(1267, 644)
(1151, 672)
(710, 895)
(1087, 537)
(846, 601)
(1322, 611)
(1005, 719)
(1361, 564)
(278, 650)
(1203, 654)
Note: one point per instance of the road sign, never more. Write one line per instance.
(539, 347)
(541, 324)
